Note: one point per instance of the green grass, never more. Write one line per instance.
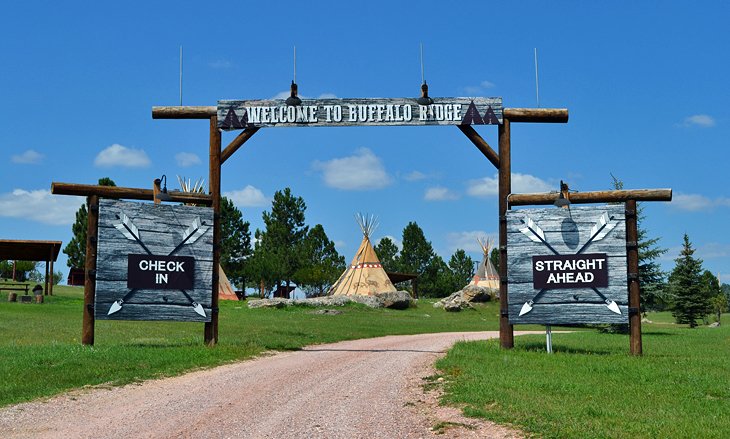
(41, 354)
(592, 388)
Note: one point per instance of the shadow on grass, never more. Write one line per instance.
(540, 347)
(658, 333)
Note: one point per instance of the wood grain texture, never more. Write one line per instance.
(592, 197)
(356, 112)
(566, 230)
(160, 229)
(58, 188)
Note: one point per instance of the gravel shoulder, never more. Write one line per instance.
(370, 388)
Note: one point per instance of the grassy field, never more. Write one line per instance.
(41, 354)
(592, 388)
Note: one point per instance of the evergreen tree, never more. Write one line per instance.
(76, 247)
(235, 242)
(279, 248)
(494, 257)
(417, 256)
(687, 287)
(321, 264)
(651, 276)
(387, 252)
(462, 270)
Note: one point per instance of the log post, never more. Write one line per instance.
(214, 180)
(50, 286)
(632, 258)
(87, 332)
(506, 334)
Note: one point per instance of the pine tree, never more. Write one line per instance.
(387, 252)
(235, 242)
(278, 254)
(76, 247)
(651, 276)
(462, 269)
(687, 287)
(321, 264)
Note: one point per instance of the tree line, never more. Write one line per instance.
(288, 252)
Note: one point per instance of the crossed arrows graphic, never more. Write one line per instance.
(598, 232)
(131, 232)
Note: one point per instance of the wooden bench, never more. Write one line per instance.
(9, 286)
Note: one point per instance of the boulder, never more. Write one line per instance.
(269, 303)
(453, 303)
(714, 325)
(396, 300)
(474, 293)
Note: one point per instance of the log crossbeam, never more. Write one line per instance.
(86, 190)
(613, 196)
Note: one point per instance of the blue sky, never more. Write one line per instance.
(645, 83)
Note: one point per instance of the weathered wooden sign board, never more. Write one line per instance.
(567, 265)
(237, 114)
(154, 262)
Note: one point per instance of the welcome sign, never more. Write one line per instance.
(154, 262)
(567, 265)
(240, 114)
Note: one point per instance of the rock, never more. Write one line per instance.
(397, 300)
(452, 303)
(714, 325)
(269, 303)
(371, 301)
(474, 293)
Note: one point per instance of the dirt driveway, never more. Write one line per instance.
(368, 388)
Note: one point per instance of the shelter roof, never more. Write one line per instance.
(29, 250)
(400, 277)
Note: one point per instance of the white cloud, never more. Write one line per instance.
(466, 241)
(439, 193)
(327, 96)
(39, 205)
(395, 241)
(713, 250)
(521, 184)
(248, 197)
(415, 176)
(187, 159)
(220, 64)
(690, 202)
(699, 120)
(118, 155)
(473, 90)
(29, 157)
(361, 171)
(697, 202)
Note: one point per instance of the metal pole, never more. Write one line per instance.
(87, 332)
(549, 339)
(214, 180)
(506, 333)
(632, 257)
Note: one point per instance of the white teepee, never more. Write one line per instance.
(486, 275)
(365, 275)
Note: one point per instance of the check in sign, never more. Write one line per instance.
(160, 272)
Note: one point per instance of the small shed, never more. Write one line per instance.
(35, 251)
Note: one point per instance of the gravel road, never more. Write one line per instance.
(368, 388)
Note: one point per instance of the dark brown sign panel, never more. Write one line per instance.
(160, 272)
(570, 271)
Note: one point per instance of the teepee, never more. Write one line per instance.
(486, 275)
(364, 276)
